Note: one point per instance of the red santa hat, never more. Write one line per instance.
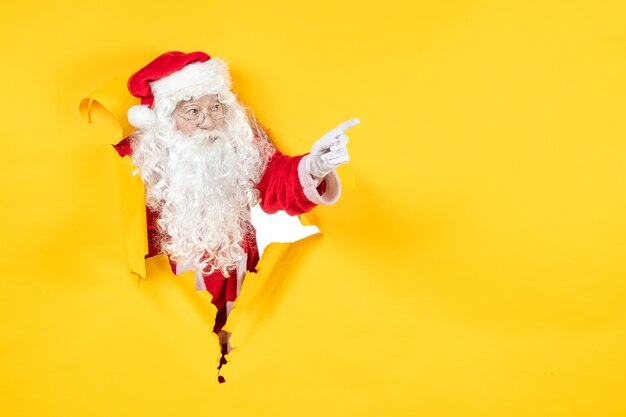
(174, 75)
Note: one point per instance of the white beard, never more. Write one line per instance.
(202, 187)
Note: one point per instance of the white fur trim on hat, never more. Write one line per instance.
(141, 116)
(211, 75)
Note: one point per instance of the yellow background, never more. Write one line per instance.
(474, 265)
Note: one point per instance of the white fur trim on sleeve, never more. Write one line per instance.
(333, 185)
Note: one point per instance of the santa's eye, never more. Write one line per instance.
(192, 111)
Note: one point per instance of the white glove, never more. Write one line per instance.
(329, 151)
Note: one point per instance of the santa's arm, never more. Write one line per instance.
(287, 185)
(297, 184)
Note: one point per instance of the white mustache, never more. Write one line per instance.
(207, 136)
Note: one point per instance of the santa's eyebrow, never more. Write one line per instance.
(215, 99)
(186, 107)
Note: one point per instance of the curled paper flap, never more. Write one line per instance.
(114, 97)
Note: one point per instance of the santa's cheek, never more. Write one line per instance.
(217, 124)
(184, 127)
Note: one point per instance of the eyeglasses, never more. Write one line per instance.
(193, 113)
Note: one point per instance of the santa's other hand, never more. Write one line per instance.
(330, 151)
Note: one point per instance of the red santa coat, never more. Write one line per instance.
(285, 185)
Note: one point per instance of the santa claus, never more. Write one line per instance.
(205, 161)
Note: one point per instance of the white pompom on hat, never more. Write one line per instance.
(141, 116)
(170, 75)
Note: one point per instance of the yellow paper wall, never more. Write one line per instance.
(474, 265)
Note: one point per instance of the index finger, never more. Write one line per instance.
(346, 125)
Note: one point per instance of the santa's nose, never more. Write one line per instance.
(207, 122)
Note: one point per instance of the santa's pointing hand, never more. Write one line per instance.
(329, 151)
